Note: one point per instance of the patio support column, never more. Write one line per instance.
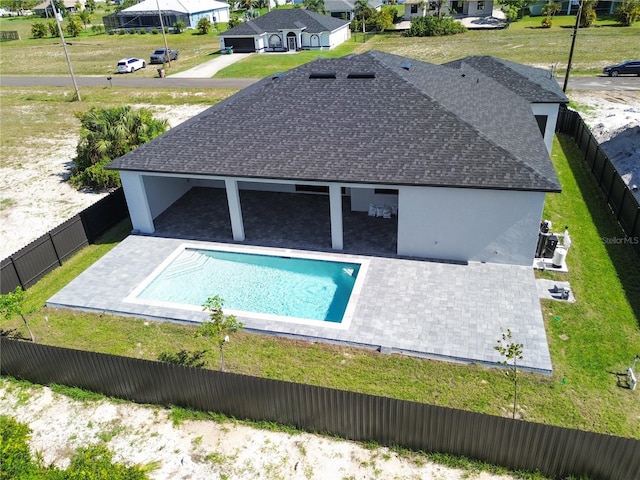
(235, 210)
(335, 204)
(137, 201)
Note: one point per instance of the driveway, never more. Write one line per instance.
(210, 68)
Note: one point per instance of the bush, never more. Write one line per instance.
(628, 13)
(39, 30)
(434, 26)
(53, 28)
(98, 29)
(155, 31)
(142, 31)
(588, 15)
(204, 26)
(510, 12)
(121, 32)
(179, 26)
(74, 27)
(547, 22)
(234, 22)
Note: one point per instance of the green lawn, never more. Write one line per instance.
(597, 335)
(524, 41)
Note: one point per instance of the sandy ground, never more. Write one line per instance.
(204, 449)
(614, 120)
(38, 196)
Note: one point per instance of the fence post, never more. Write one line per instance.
(55, 250)
(15, 269)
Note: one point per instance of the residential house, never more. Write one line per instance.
(456, 8)
(286, 30)
(449, 149)
(346, 9)
(535, 85)
(45, 9)
(146, 14)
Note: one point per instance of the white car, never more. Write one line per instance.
(128, 65)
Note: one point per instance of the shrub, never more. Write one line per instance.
(434, 26)
(510, 12)
(98, 29)
(131, 32)
(155, 31)
(588, 15)
(234, 22)
(142, 31)
(179, 26)
(74, 27)
(204, 26)
(547, 22)
(53, 28)
(39, 30)
(628, 13)
(122, 32)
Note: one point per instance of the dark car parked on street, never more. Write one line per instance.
(630, 67)
(160, 56)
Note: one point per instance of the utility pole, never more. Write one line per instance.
(64, 46)
(573, 43)
(164, 35)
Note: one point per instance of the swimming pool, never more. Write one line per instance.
(288, 285)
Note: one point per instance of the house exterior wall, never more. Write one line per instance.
(163, 191)
(550, 110)
(495, 226)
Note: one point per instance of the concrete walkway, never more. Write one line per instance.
(210, 68)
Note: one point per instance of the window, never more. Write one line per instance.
(414, 8)
(275, 41)
(480, 5)
(385, 191)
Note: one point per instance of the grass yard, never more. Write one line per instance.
(524, 41)
(597, 335)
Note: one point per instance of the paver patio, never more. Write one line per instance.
(424, 308)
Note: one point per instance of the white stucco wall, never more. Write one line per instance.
(469, 224)
(136, 196)
(550, 110)
(163, 191)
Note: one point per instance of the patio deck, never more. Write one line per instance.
(428, 309)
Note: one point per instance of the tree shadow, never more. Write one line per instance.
(619, 247)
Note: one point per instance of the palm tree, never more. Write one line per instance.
(85, 17)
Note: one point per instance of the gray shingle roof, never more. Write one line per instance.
(534, 84)
(292, 18)
(427, 125)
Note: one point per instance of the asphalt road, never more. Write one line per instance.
(575, 83)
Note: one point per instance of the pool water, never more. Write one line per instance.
(274, 285)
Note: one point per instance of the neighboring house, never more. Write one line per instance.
(456, 8)
(346, 9)
(535, 85)
(450, 149)
(145, 15)
(286, 30)
(46, 10)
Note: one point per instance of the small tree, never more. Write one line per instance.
(38, 30)
(53, 28)
(628, 13)
(549, 10)
(220, 326)
(315, 6)
(204, 26)
(74, 27)
(12, 304)
(179, 26)
(588, 14)
(90, 5)
(85, 17)
(512, 352)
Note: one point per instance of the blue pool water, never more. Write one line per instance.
(282, 286)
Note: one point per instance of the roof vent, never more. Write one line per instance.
(361, 75)
(322, 75)
(277, 75)
(406, 65)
